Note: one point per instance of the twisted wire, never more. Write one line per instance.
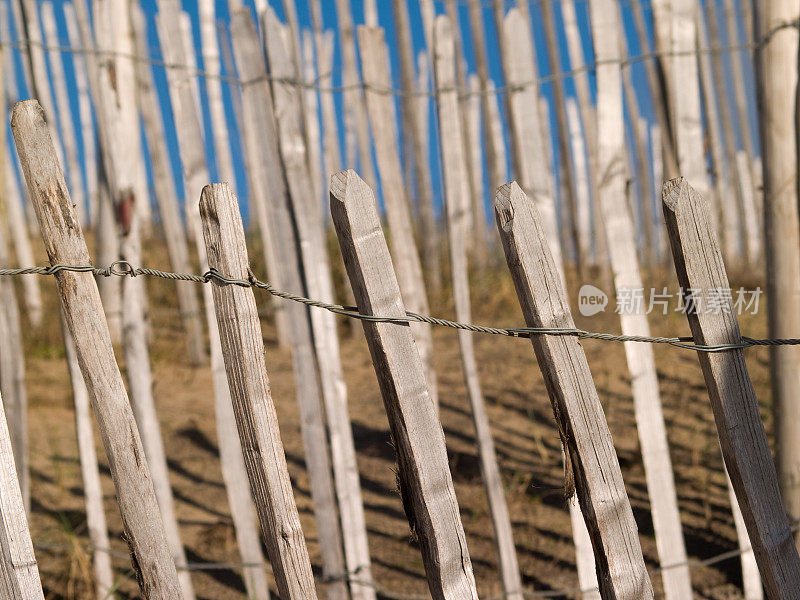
(122, 268)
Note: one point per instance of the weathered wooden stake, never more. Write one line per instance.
(424, 474)
(90, 472)
(64, 242)
(20, 573)
(257, 423)
(607, 33)
(456, 203)
(777, 81)
(700, 270)
(579, 416)
(382, 118)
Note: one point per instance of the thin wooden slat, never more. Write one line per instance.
(423, 471)
(456, 197)
(607, 33)
(256, 420)
(318, 281)
(576, 405)
(414, 132)
(723, 189)
(776, 86)
(171, 221)
(59, 86)
(584, 208)
(382, 118)
(356, 128)
(19, 573)
(84, 112)
(64, 242)
(701, 273)
(311, 118)
(90, 473)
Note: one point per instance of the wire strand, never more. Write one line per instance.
(122, 268)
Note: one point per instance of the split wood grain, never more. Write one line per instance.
(80, 298)
(382, 118)
(256, 420)
(700, 269)
(424, 475)
(576, 405)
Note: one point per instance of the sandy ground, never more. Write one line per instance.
(526, 441)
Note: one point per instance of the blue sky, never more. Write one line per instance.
(386, 21)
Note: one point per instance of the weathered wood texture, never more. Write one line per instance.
(58, 83)
(195, 175)
(424, 475)
(319, 284)
(531, 164)
(413, 120)
(19, 573)
(64, 242)
(700, 268)
(776, 83)
(256, 420)
(620, 233)
(579, 416)
(166, 196)
(90, 473)
(382, 118)
(456, 198)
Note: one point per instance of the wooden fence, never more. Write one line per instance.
(597, 218)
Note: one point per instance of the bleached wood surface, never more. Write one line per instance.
(64, 242)
(423, 471)
(256, 419)
(579, 416)
(699, 266)
(382, 117)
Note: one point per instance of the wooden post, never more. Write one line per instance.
(640, 150)
(319, 284)
(482, 95)
(423, 471)
(776, 81)
(584, 209)
(413, 122)
(685, 97)
(722, 169)
(579, 416)
(456, 196)
(211, 65)
(23, 250)
(171, 221)
(195, 176)
(59, 87)
(700, 270)
(64, 242)
(566, 161)
(20, 579)
(357, 131)
(90, 473)
(85, 113)
(243, 349)
(656, 71)
(607, 33)
(382, 118)
(530, 158)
